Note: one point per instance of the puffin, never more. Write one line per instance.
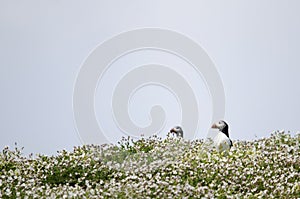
(222, 140)
(177, 130)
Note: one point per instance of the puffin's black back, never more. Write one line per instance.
(226, 132)
(225, 129)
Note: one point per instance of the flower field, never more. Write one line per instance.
(157, 168)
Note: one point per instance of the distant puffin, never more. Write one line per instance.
(177, 130)
(222, 140)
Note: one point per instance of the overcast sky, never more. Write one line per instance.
(254, 45)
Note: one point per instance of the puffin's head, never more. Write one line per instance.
(177, 130)
(222, 126)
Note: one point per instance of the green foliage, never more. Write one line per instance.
(157, 168)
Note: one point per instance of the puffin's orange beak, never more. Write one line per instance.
(172, 131)
(214, 126)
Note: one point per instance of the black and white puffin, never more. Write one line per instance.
(222, 140)
(177, 130)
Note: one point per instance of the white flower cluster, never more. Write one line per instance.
(157, 168)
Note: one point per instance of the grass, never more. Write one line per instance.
(157, 168)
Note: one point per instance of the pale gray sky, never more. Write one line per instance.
(254, 44)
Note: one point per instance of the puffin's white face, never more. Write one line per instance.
(219, 125)
(177, 128)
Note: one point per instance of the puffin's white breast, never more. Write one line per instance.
(222, 142)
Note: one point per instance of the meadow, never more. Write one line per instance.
(157, 168)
